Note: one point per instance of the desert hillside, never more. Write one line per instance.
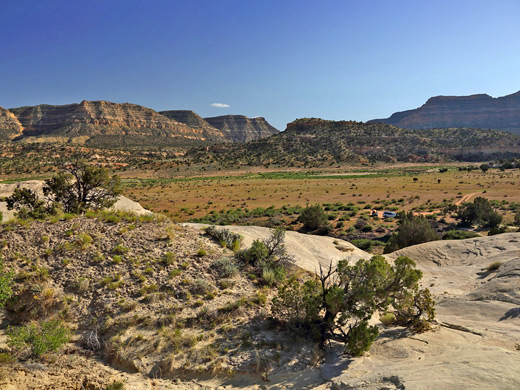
(168, 302)
(313, 142)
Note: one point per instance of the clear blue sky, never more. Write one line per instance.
(282, 59)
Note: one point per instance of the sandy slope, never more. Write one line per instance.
(474, 345)
(308, 251)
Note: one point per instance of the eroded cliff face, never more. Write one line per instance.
(239, 128)
(477, 111)
(10, 126)
(196, 122)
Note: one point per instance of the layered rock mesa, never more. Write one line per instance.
(104, 122)
(477, 111)
(239, 128)
(194, 121)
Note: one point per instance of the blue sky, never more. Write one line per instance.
(280, 59)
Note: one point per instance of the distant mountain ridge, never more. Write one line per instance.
(312, 142)
(103, 123)
(240, 128)
(477, 111)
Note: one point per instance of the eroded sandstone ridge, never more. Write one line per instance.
(239, 128)
(480, 111)
(102, 123)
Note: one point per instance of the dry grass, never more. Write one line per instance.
(196, 197)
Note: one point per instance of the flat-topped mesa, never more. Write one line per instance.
(477, 111)
(10, 126)
(196, 122)
(239, 128)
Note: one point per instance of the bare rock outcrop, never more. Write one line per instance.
(10, 126)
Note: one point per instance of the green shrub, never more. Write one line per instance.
(116, 385)
(388, 319)
(36, 339)
(339, 302)
(83, 241)
(28, 205)
(6, 283)
(366, 244)
(494, 266)
(361, 338)
(479, 212)
(169, 258)
(255, 255)
(120, 249)
(226, 238)
(313, 217)
(225, 267)
(413, 230)
(497, 230)
(117, 259)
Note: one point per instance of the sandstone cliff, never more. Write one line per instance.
(478, 111)
(194, 121)
(101, 123)
(239, 128)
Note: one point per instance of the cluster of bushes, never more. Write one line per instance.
(76, 189)
(339, 302)
(225, 237)
(479, 212)
(313, 217)
(240, 215)
(413, 230)
(366, 244)
(33, 339)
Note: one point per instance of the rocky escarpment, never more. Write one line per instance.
(194, 121)
(10, 126)
(239, 128)
(480, 111)
(101, 121)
